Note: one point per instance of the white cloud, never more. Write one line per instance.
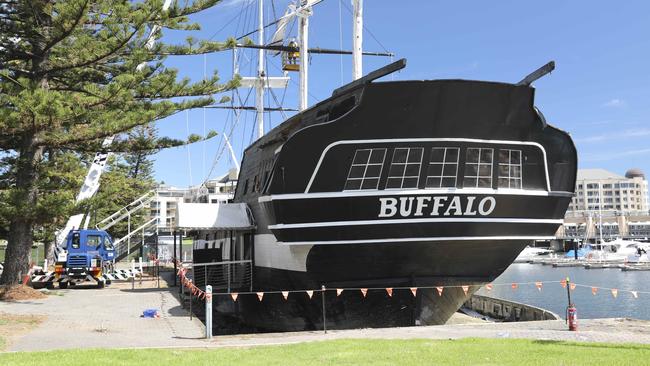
(631, 133)
(614, 155)
(615, 103)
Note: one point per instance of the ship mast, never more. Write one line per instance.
(304, 67)
(357, 39)
(259, 99)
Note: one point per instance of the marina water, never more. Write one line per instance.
(553, 296)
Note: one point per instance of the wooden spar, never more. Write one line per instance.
(327, 51)
(253, 108)
(542, 71)
(383, 71)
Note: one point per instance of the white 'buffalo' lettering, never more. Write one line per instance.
(418, 206)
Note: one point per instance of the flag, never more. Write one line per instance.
(389, 290)
(572, 286)
(234, 296)
(514, 286)
(364, 291)
(488, 287)
(414, 291)
(260, 295)
(539, 285)
(338, 291)
(310, 293)
(285, 294)
(465, 289)
(635, 294)
(594, 290)
(614, 292)
(563, 283)
(440, 290)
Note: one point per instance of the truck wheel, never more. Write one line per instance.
(101, 284)
(63, 285)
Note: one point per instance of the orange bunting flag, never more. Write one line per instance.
(234, 296)
(572, 286)
(514, 286)
(310, 293)
(594, 290)
(614, 292)
(465, 289)
(389, 290)
(635, 294)
(285, 294)
(338, 291)
(414, 291)
(489, 287)
(563, 283)
(364, 291)
(260, 295)
(440, 290)
(539, 285)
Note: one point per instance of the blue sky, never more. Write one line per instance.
(600, 91)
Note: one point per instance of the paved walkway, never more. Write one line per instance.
(106, 318)
(110, 318)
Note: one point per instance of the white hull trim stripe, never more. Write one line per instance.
(416, 221)
(413, 192)
(450, 238)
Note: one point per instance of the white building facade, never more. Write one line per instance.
(604, 192)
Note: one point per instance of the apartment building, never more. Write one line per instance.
(599, 190)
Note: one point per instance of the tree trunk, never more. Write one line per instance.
(48, 249)
(19, 248)
(21, 226)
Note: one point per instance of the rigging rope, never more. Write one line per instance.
(205, 77)
(189, 158)
(341, 40)
(367, 29)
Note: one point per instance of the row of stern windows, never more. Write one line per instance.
(441, 168)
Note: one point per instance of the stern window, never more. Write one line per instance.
(478, 168)
(510, 169)
(366, 169)
(405, 168)
(443, 167)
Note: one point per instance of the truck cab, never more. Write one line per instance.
(89, 253)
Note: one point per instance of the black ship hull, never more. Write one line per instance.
(399, 184)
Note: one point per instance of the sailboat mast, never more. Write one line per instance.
(259, 99)
(357, 39)
(304, 62)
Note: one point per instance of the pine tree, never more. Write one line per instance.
(70, 77)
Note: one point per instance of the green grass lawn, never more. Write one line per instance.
(360, 352)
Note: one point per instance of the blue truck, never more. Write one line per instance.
(90, 253)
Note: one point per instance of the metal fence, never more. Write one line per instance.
(224, 276)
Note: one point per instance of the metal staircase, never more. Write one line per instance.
(127, 210)
(123, 245)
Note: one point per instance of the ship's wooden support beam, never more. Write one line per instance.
(383, 71)
(539, 73)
